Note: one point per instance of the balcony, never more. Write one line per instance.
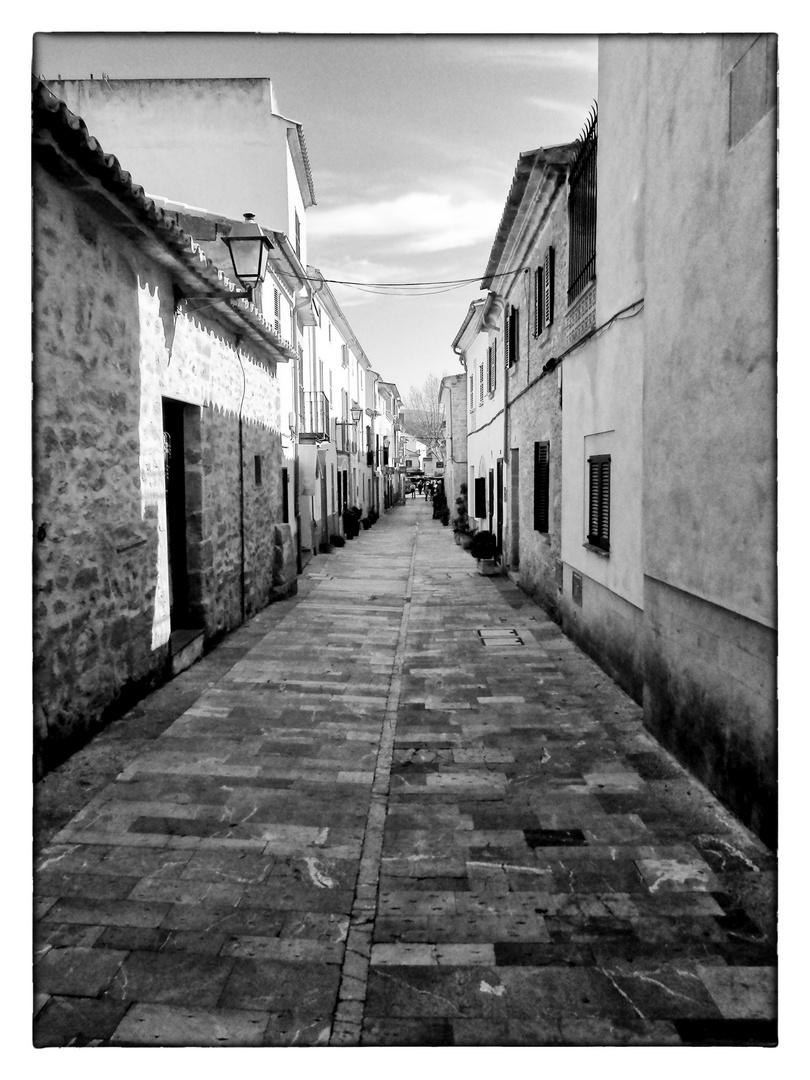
(315, 415)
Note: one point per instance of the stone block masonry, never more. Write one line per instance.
(380, 825)
(111, 353)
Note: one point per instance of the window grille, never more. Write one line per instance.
(582, 211)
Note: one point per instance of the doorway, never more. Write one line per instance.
(514, 508)
(174, 459)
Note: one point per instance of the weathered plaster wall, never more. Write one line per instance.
(108, 349)
(709, 415)
(710, 372)
(169, 134)
(535, 416)
(710, 696)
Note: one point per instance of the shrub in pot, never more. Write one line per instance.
(484, 545)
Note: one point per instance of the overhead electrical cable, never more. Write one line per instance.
(407, 288)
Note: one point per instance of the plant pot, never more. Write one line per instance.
(488, 567)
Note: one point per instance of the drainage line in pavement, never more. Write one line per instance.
(348, 1021)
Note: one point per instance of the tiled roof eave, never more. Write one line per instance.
(59, 132)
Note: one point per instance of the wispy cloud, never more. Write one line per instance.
(567, 108)
(422, 221)
(558, 53)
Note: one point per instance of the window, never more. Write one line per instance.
(511, 337)
(582, 213)
(285, 496)
(257, 469)
(297, 235)
(481, 383)
(480, 497)
(538, 301)
(548, 288)
(492, 367)
(276, 310)
(541, 486)
(472, 392)
(599, 501)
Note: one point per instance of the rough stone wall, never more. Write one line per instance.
(108, 349)
(535, 416)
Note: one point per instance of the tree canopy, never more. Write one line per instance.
(423, 417)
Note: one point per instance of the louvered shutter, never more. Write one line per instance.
(538, 300)
(481, 383)
(541, 486)
(599, 502)
(507, 334)
(494, 364)
(277, 310)
(548, 288)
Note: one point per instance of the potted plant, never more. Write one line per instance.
(484, 548)
(462, 530)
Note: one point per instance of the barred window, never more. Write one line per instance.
(582, 212)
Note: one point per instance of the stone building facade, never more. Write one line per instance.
(158, 517)
(530, 257)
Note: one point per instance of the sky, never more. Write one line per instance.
(413, 142)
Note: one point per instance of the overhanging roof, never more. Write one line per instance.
(63, 145)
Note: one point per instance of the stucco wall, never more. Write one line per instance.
(709, 695)
(107, 350)
(175, 135)
(710, 372)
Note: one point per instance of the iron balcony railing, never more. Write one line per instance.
(582, 211)
(315, 414)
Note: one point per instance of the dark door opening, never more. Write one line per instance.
(174, 454)
(499, 506)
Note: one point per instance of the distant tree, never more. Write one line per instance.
(423, 418)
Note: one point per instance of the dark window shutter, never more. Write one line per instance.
(494, 364)
(541, 486)
(538, 300)
(548, 291)
(599, 502)
(480, 497)
(507, 334)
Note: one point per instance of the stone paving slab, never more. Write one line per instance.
(400, 808)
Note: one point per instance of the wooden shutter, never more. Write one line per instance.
(541, 486)
(507, 334)
(538, 300)
(494, 364)
(548, 288)
(480, 497)
(481, 383)
(599, 502)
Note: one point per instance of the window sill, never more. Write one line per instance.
(597, 550)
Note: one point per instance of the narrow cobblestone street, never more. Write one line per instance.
(398, 808)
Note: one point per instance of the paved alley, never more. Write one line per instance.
(398, 808)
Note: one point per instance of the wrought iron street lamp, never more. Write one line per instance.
(249, 247)
(356, 412)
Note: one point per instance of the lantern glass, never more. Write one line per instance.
(249, 248)
(357, 413)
